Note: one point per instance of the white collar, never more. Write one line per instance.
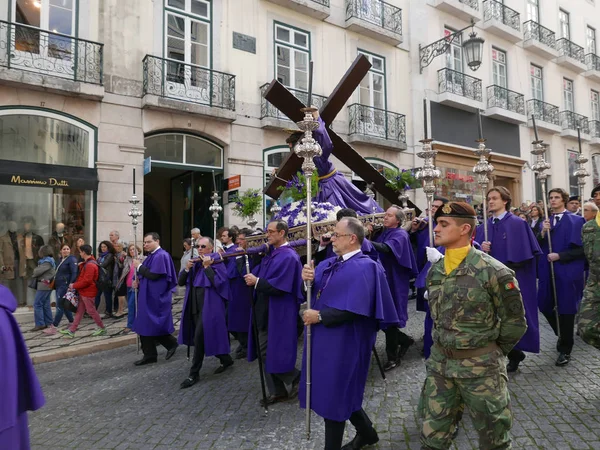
(501, 216)
(157, 249)
(560, 213)
(284, 244)
(349, 255)
(228, 246)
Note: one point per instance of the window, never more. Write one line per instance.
(372, 86)
(573, 185)
(182, 149)
(596, 169)
(292, 49)
(591, 40)
(272, 159)
(499, 68)
(537, 84)
(568, 95)
(595, 105)
(454, 59)
(533, 10)
(565, 27)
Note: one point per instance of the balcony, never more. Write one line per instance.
(374, 126)
(271, 117)
(319, 9)
(375, 18)
(505, 105)
(570, 55)
(594, 126)
(50, 61)
(173, 85)
(593, 67)
(570, 121)
(502, 21)
(546, 115)
(462, 9)
(459, 90)
(539, 40)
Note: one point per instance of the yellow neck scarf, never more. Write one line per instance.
(598, 218)
(454, 256)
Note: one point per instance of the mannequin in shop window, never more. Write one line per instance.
(59, 238)
(12, 260)
(31, 245)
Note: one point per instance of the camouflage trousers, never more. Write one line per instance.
(443, 400)
(588, 320)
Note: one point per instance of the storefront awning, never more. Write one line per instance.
(17, 173)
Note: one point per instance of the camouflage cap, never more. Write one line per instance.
(460, 210)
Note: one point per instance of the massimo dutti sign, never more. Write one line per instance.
(17, 173)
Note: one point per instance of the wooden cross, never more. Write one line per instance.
(288, 104)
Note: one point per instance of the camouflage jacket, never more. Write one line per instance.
(476, 304)
(590, 234)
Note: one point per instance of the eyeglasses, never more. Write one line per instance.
(201, 246)
(337, 235)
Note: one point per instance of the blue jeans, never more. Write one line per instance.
(59, 313)
(108, 299)
(130, 307)
(42, 312)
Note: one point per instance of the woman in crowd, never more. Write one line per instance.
(536, 219)
(126, 280)
(187, 254)
(66, 273)
(106, 260)
(78, 244)
(121, 289)
(42, 277)
(523, 216)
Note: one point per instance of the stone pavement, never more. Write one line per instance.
(102, 401)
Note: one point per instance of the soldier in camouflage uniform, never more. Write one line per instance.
(478, 317)
(589, 311)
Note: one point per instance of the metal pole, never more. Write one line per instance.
(215, 209)
(428, 174)
(134, 213)
(483, 169)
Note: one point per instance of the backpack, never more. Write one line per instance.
(104, 280)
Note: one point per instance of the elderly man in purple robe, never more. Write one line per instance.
(203, 322)
(398, 260)
(511, 241)
(157, 278)
(334, 187)
(20, 389)
(352, 300)
(277, 287)
(569, 267)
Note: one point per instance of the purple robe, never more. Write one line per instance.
(569, 276)
(400, 266)
(366, 247)
(341, 354)
(20, 390)
(283, 270)
(422, 241)
(240, 301)
(333, 186)
(153, 313)
(515, 245)
(216, 294)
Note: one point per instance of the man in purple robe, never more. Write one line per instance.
(203, 322)
(351, 300)
(511, 241)
(569, 266)
(333, 185)
(154, 321)
(20, 390)
(398, 260)
(277, 285)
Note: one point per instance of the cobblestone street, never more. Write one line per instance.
(101, 401)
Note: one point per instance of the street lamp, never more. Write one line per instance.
(473, 48)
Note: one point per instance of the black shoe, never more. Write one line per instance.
(171, 352)
(404, 347)
(272, 399)
(513, 364)
(222, 368)
(189, 382)
(390, 365)
(563, 359)
(241, 355)
(360, 441)
(144, 361)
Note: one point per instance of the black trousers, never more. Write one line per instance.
(198, 358)
(241, 337)
(276, 382)
(168, 341)
(516, 355)
(334, 431)
(567, 330)
(393, 339)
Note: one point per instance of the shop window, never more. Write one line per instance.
(173, 148)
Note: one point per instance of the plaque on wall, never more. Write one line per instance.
(244, 42)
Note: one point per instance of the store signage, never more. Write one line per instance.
(234, 182)
(458, 177)
(17, 179)
(17, 173)
(147, 165)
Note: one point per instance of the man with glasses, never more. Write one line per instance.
(277, 286)
(156, 279)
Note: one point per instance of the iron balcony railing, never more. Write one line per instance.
(377, 12)
(472, 3)
(594, 126)
(543, 111)
(494, 10)
(535, 31)
(571, 121)
(44, 52)
(570, 49)
(268, 110)
(592, 61)
(322, 2)
(459, 83)
(369, 121)
(180, 81)
(498, 96)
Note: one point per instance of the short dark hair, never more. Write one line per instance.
(46, 250)
(153, 234)
(355, 227)
(562, 192)
(231, 232)
(86, 248)
(281, 225)
(345, 212)
(188, 241)
(109, 246)
(246, 232)
(444, 200)
(504, 195)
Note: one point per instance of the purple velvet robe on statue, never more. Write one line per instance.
(341, 354)
(569, 276)
(400, 266)
(216, 338)
(240, 302)
(154, 316)
(514, 244)
(20, 389)
(336, 189)
(283, 270)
